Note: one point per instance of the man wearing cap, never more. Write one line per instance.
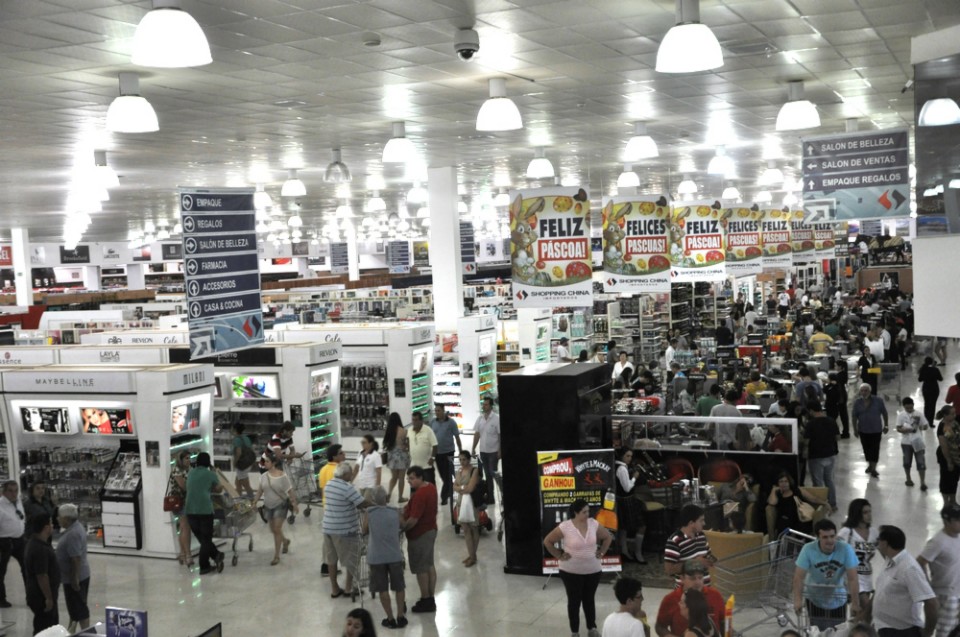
(563, 354)
(670, 622)
(74, 568)
(941, 556)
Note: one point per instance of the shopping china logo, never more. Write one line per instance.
(522, 295)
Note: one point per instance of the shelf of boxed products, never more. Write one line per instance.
(323, 424)
(364, 398)
(508, 356)
(420, 394)
(446, 388)
(577, 326)
(487, 376)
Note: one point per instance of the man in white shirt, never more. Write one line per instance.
(902, 590)
(11, 533)
(486, 437)
(750, 318)
(563, 354)
(942, 556)
(783, 303)
(630, 620)
(670, 354)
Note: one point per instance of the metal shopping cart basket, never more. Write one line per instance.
(303, 477)
(233, 516)
(762, 578)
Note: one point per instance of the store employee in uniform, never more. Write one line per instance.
(11, 533)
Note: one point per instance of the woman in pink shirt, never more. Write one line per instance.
(579, 563)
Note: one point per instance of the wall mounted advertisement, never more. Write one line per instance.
(566, 476)
(824, 241)
(49, 420)
(775, 235)
(255, 387)
(185, 416)
(100, 420)
(550, 247)
(744, 254)
(696, 242)
(635, 244)
(802, 239)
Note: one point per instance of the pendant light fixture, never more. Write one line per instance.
(104, 174)
(499, 113)
(540, 167)
(689, 46)
(293, 187)
(399, 149)
(687, 187)
(763, 196)
(417, 194)
(731, 193)
(942, 111)
(641, 145)
(772, 176)
(337, 171)
(375, 203)
(721, 164)
(797, 113)
(129, 112)
(628, 178)
(262, 199)
(169, 37)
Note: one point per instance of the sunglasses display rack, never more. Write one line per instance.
(364, 402)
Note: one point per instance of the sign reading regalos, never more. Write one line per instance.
(742, 227)
(775, 235)
(635, 244)
(550, 247)
(824, 241)
(696, 243)
(802, 239)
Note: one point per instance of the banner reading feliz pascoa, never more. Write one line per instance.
(775, 235)
(802, 240)
(635, 244)
(696, 243)
(823, 238)
(566, 476)
(744, 254)
(550, 247)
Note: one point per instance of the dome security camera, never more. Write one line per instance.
(466, 44)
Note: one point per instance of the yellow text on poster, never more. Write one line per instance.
(557, 483)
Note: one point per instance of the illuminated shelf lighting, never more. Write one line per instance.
(318, 427)
(319, 438)
(321, 414)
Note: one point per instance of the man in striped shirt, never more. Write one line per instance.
(688, 543)
(341, 526)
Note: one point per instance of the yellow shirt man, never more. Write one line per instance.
(820, 343)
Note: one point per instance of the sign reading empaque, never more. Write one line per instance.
(635, 243)
(550, 247)
(696, 242)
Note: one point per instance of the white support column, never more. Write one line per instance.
(91, 277)
(353, 253)
(445, 248)
(22, 280)
(135, 276)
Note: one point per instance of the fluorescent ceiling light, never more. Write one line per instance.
(399, 149)
(687, 187)
(721, 164)
(942, 111)
(772, 176)
(104, 174)
(293, 187)
(130, 113)
(797, 113)
(689, 46)
(169, 37)
(628, 178)
(499, 113)
(641, 145)
(337, 171)
(540, 167)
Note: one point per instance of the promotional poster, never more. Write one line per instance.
(775, 235)
(824, 241)
(550, 247)
(802, 239)
(744, 252)
(696, 243)
(635, 256)
(566, 476)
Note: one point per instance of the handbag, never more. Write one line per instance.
(467, 513)
(805, 510)
(172, 503)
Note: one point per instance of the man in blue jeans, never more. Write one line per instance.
(822, 432)
(448, 434)
(486, 436)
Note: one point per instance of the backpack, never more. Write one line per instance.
(247, 459)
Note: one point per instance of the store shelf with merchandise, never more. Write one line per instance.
(446, 387)
(575, 325)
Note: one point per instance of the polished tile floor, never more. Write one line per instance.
(255, 599)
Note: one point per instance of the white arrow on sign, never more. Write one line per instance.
(192, 266)
(195, 310)
(188, 224)
(194, 288)
(811, 166)
(190, 245)
(810, 149)
(201, 344)
(811, 184)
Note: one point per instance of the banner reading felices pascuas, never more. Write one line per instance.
(566, 476)
(823, 238)
(550, 247)
(696, 242)
(775, 235)
(744, 255)
(802, 239)
(635, 244)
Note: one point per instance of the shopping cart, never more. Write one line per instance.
(303, 477)
(232, 517)
(825, 608)
(762, 578)
(361, 577)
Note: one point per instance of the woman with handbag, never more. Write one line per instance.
(369, 467)
(794, 510)
(278, 498)
(173, 502)
(397, 447)
(464, 485)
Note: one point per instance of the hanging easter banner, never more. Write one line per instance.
(550, 247)
(696, 242)
(823, 238)
(802, 239)
(635, 244)
(775, 235)
(742, 229)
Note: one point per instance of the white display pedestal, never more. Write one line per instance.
(478, 364)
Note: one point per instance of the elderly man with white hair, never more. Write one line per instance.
(74, 568)
(869, 423)
(341, 526)
(385, 557)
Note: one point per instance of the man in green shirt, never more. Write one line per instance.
(709, 401)
(201, 483)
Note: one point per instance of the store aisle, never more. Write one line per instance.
(292, 598)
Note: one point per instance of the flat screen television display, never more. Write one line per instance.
(185, 416)
(421, 359)
(50, 420)
(256, 387)
(97, 420)
(320, 386)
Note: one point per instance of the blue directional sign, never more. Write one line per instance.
(221, 270)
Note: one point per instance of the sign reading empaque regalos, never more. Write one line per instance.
(635, 239)
(550, 247)
(696, 243)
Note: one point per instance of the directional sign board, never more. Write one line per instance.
(398, 257)
(221, 270)
(856, 176)
(339, 258)
(468, 254)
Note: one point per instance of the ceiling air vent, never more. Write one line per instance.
(763, 47)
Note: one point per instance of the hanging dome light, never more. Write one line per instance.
(797, 113)
(337, 171)
(178, 228)
(721, 164)
(375, 203)
(772, 176)
(790, 199)
(687, 187)
(104, 174)
(295, 221)
(293, 187)
(399, 149)
(502, 199)
(261, 199)
(763, 196)
(689, 46)
(129, 112)
(641, 145)
(941, 111)
(628, 178)
(417, 195)
(540, 167)
(499, 113)
(730, 193)
(169, 37)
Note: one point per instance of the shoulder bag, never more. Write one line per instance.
(805, 510)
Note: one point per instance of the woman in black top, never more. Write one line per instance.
(930, 379)
(694, 607)
(783, 498)
(868, 361)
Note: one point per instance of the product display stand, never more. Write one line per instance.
(534, 334)
(478, 364)
(508, 345)
(575, 325)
